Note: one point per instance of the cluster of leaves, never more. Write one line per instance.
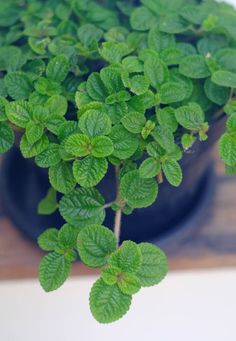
(124, 269)
(92, 84)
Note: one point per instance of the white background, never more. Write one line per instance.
(187, 306)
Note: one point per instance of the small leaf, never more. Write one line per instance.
(110, 275)
(231, 123)
(46, 86)
(149, 168)
(18, 85)
(156, 71)
(58, 68)
(134, 122)
(19, 113)
(227, 149)
(95, 123)
(190, 116)
(142, 19)
(127, 257)
(164, 137)
(166, 118)
(194, 66)
(57, 105)
(187, 141)
(89, 171)
(114, 52)
(61, 177)
(83, 207)
(125, 144)
(34, 131)
(138, 192)
(95, 87)
(111, 78)
(139, 84)
(129, 284)
(48, 205)
(101, 146)
(47, 241)
(154, 265)
(217, 94)
(49, 157)
(95, 244)
(29, 150)
(173, 172)
(78, 145)
(67, 237)
(53, 271)
(6, 137)
(224, 78)
(171, 92)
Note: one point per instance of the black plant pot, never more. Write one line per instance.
(23, 185)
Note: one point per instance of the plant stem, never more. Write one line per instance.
(108, 205)
(117, 226)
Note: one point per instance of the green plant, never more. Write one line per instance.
(91, 84)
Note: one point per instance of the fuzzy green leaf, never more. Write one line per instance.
(190, 116)
(173, 172)
(101, 146)
(53, 271)
(46, 86)
(125, 144)
(83, 207)
(127, 258)
(149, 168)
(49, 157)
(48, 240)
(95, 244)
(139, 84)
(48, 205)
(78, 145)
(95, 87)
(171, 92)
(107, 302)
(58, 68)
(138, 192)
(194, 66)
(34, 132)
(18, 85)
(114, 52)
(134, 122)
(129, 284)
(29, 150)
(61, 177)
(227, 149)
(111, 77)
(94, 123)
(142, 19)
(67, 237)
(154, 265)
(156, 71)
(166, 118)
(57, 105)
(164, 137)
(89, 171)
(217, 94)
(224, 78)
(6, 137)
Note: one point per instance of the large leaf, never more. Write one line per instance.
(125, 144)
(18, 85)
(61, 177)
(94, 123)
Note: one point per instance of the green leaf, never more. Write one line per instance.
(226, 58)
(107, 302)
(125, 144)
(95, 244)
(227, 149)
(95, 87)
(95, 123)
(173, 24)
(78, 145)
(129, 284)
(194, 66)
(187, 141)
(89, 33)
(67, 237)
(47, 87)
(149, 168)
(3, 115)
(164, 137)
(217, 94)
(58, 68)
(57, 105)
(49, 157)
(127, 258)
(139, 84)
(134, 122)
(231, 123)
(172, 92)
(173, 172)
(160, 41)
(138, 192)
(89, 171)
(110, 275)
(224, 78)
(29, 150)
(19, 113)
(47, 241)
(83, 207)
(34, 131)
(101, 146)
(6, 137)
(190, 116)
(172, 56)
(53, 271)
(111, 77)
(18, 85)
(166, 118)
(48, 205)
(156, 71)
(61, 177)
(114, 52)
(142, 19)
(154, 265)
(132, 64)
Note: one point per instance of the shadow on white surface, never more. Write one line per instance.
(187, 306)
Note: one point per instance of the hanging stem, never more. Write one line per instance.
(117, 226)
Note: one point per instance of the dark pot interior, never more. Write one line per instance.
(23, 185)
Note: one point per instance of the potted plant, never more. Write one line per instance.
(116, 101)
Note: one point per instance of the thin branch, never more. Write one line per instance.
(117, 227)
(108, 205)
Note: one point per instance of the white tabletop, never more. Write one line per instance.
(187, 306)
